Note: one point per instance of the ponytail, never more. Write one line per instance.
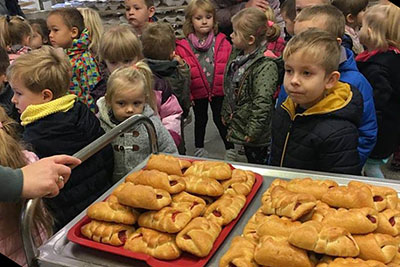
(5, 40)
(145, 70)
(273, 29)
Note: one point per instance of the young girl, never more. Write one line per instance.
(380, 64)
(15, 36)
(250, 82)
(129, 92)
(67, 30)
(207, 52)
(40, 35)
(94, 25)
(13, 155)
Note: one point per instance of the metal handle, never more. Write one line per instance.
(29, 206)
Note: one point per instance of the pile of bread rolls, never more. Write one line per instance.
(306, 223)
(177, 205)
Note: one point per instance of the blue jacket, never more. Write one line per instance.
(368, 128)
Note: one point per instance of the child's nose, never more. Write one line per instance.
(295, 79)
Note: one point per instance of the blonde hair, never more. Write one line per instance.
(252, 21)
(44, 68)
(205, 5)
(137, 75)
(11, 155)
(318, 45)
(383, 22)
(94, 25)
(13, 30)
(156, 35)
(120, 44)
(274, 31)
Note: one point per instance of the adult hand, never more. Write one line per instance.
(261, 4)
(42, 178)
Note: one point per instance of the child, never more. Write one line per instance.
(250, 82)
(329, 18)
(56, 123)
(129, 92)
(207, 52)
(380, 64)
(139, 13)
(40, 33)
(171, 73)
(316, 127)
(67, 30)
(15, 36)
(120, 47)
(288, 12)
(94, 25)
(13, 155)
(353, 11)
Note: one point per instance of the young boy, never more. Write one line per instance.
(139, 13)
(316, 126)
(56, 123)
(288, 12)
(167, 66)
(329, 18)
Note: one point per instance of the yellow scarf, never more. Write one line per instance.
(35, 112)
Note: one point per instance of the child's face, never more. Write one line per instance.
(305, 81)
(137, 13)
(23, 97)
(60, 35)
(203, 22)
(128, 102)
(36, 41)
(289, 24)
(237, 40)
(111, 66)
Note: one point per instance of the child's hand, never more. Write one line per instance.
(179, 59)
(247, 139)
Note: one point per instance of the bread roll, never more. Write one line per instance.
(383, 197)
(225, 209)
(203, 186)
(285, 203)
(323, 239)
(240, 253)
(317, 188)
(167, 164)
(241, 182)
(195, 204)
(380, 247)
(210, 169)
(349, 197)
(389, 222)
(108, 233)
(159, 245)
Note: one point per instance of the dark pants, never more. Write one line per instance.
(257, 155)
(200, 109)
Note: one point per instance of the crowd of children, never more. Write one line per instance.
(321, 93)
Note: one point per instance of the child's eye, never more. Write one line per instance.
(288, 71)
(120, 103)
(209, 17)
(138, 103)
(306, 73)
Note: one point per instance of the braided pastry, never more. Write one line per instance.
(241, 182)
(167, 164)
(225, 209)
(210, 169)
(105, 232)
(240, 253)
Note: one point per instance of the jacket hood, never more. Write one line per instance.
(104, 112)
(162, 67)
(341, 101)
(350, 63)
(81, 43)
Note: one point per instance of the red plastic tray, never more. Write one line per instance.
(186, 259)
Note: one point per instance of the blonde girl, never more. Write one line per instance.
(13, 155)
(15, 35)
(94, 25)
(380, 64)
(207, 52)
(250, 82)
(129, 92)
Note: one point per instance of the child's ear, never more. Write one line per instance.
(27, 40)
(339, 40)
(47, 95)
(251, 40)
(332, 79)
(350, 19)
(74, 32)
(152, 11)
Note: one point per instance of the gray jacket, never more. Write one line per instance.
(133, 147)
(11, 182)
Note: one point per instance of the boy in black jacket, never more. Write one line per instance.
(56, 123)
(315, 128)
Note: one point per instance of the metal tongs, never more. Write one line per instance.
(29, 206)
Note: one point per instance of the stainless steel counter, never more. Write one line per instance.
(58, 251)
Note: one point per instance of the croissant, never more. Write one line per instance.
(112, 211)
(324, 239)
(159, 245)
(108, 233)
(348, 197)
(240, 253)
(285, 203)
(317, 188)
(276, 251)
(383, 197)
(195, 204)
(380, 247)
(274, 183)
(278, 227)
(203, 186)
(389, 222)
(225, 209)
(171, 183)
(241, 182)
(350, 262)
(198, 236)
(142, 196)
(250, 229)
(168, 164)
(210, 169)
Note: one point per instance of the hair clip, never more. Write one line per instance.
(270, 23)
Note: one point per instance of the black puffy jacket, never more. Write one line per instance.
(323, 137)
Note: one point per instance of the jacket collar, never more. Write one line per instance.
(162, 67)
(336, 98)
(80, 44)
(35, 112)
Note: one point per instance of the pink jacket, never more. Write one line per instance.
(199, 86)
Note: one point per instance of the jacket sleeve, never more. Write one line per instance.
(166, 143)
(180, 86)
(281, 97)
(264, 85)
(171, 114)
(11, 182)
(225, 11)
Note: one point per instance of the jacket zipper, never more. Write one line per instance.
(286, 141)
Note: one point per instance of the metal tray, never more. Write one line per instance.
(58, 251)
